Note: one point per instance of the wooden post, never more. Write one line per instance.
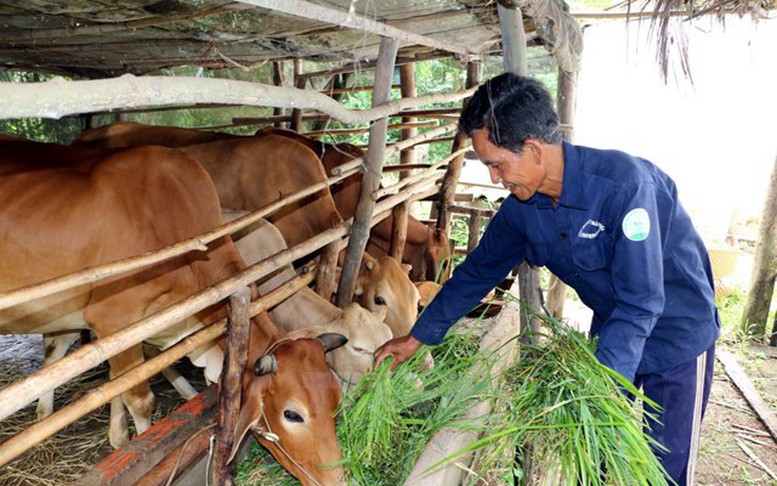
(360, 231)
(326, 280)
(299, 82)
(557, 290)
(448, 186)
(474, 231)
(514, 58)
(399, 232)
(514, 55)
(277, 78)
(235, 356)
(408, 89)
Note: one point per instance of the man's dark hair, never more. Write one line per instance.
(512, 108)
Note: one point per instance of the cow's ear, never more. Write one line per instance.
(265, 365)
(407, 267)
(368, 264)
(331, 340)
(250, 411)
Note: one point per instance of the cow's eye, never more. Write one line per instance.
(292, 416)
(379, 300)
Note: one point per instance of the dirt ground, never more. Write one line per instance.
(735, 449)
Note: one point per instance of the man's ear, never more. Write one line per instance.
(534, 147)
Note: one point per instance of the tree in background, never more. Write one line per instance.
(759, 296)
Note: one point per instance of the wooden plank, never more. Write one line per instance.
(742, 381)
(129, 464)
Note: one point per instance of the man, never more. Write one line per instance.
(611, 226)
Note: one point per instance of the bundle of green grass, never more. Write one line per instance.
(557, 405)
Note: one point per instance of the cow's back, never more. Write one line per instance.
(123, 134)
(253, 172)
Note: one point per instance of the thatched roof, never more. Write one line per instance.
(89, 39)
(92, 39)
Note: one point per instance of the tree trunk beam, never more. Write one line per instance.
(57, 98)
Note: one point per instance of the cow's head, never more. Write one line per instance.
(384, 282)
(437, 256)
(366, 332)
(289, 399)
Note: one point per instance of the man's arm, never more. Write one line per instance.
(500, 249)
(637, 278)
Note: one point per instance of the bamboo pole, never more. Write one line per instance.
(360, 232)
(235, 357)
(417, 177)
(396, 148)
(404, 167)
(480, 212)
(393, 126)
(352, 89)
(438, 113)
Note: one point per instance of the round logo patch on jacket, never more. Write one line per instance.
(636, 224)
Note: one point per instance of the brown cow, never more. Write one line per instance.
(57, 219)
(427, 250)
(249, 172)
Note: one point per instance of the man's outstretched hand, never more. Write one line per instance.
(401, 349)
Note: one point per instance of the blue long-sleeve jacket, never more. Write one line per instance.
(620, 237)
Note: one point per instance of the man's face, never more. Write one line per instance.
(521, 174)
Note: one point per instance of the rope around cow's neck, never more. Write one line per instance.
(270, 436)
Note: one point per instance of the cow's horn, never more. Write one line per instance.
(265, 364)
(331, 340)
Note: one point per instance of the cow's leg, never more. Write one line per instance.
(118, 430)
(181, 385)
(55, 346)
(139, 400)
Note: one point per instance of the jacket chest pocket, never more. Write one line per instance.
(591, 254)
